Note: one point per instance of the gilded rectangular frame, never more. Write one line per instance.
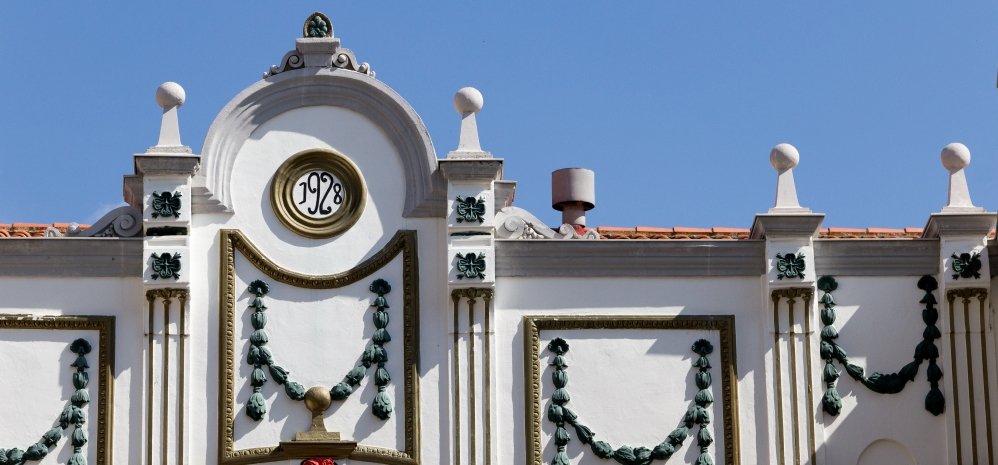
(104, 325)
(403, 243)
(724, 324)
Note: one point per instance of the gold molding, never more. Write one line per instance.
(456, 379)
(488, 377)
(151, 297)
(723, 324)
(950, 296)
(282, 188)
(793, 375)
(778, 375)
(403, 244)
(104, 325)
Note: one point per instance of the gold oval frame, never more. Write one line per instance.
(283, 183)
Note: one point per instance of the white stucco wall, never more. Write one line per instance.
(37, 377)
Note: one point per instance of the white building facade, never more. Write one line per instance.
(319, 285)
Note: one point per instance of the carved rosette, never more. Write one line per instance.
(470, 209)
(470, 265)
(967, 265)
(165, 265)
(790, 266)
(166, 204)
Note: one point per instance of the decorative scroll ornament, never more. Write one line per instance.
(165, 204)
(72, 414)
(790, 266)
(165, 265)
(697, 414)
(967, 265)
(517, 223)
(889, 383)
(319, 28)
(470, 209)
(121, 222)
(375, 353)
(470, 265)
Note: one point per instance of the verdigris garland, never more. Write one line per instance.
(72, 415)
(697, 414)
(889, 383)
(259, 355)
(374, 353)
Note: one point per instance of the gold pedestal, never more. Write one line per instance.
(317, 442)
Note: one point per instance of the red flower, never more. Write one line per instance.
(318, 461)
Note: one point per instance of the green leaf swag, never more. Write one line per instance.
(259, 355)
(697, 414)
(889, 383)
(375, 353)
(72, 414)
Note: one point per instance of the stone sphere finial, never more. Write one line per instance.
(169, 95)
(784, 157)
(955, 157)
(468, 100)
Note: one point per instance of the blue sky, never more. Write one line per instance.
(675, 105)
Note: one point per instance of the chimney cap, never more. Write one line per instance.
(572, 187)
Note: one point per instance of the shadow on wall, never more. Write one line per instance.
(884, 451)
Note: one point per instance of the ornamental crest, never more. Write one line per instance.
(967, 265)
(470, 209)
(471, 266)
(165, 204)
(165, 266)
(790, 266)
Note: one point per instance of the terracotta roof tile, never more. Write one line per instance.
(684, 229)
(651, 229)
(720, 232)
(884, 231)
(33, 229)
(730, 230)
(613, 229)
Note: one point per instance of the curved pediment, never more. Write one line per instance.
(425, 188)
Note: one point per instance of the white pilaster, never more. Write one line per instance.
(967, 352)
(165, 171)
(790, 320)
(471, 197)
